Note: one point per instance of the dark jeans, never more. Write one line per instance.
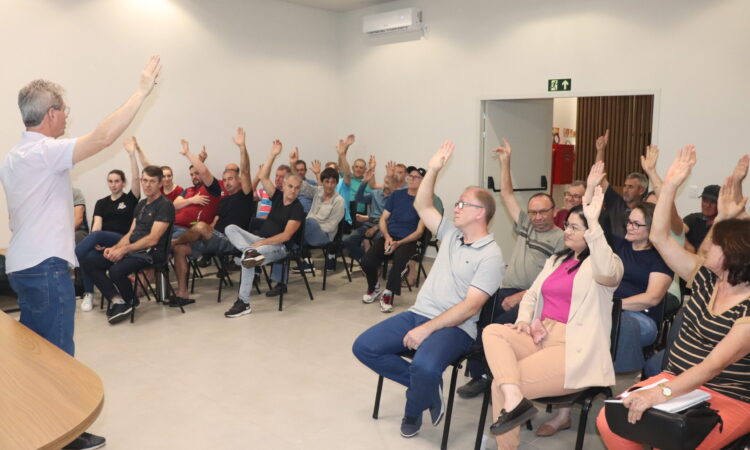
(47, 301)
(87, 245)
(353, 242)
(96, 265)
(475, 367)
(373, 260)
(378, 349)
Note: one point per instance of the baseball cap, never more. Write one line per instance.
(418, 169)
(711, 192)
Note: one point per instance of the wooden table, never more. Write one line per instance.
(47, 398)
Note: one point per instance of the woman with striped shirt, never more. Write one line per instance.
(712, 349)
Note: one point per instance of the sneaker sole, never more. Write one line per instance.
(239, 314)
(120, 316)
(386, 310)
(373, 299)
(409, 435)
(249, 263)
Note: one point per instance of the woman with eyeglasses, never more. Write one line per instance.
(560, 342)
(113, 216)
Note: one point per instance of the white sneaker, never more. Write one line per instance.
(386, 302)
(88, 302)
(371, 296)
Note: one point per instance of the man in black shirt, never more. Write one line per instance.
(281, 228)
(136, 250)
(699, 223)
(235, 208)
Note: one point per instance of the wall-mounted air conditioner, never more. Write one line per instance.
(407, 19)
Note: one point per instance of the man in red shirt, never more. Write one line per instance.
(199, 202)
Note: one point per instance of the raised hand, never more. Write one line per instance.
(239, 138)
(276, 148)
(349, 140)
(729, 206)
(137, 147)
(596, 174)
(149, 75)
(373, 163)
(592, 210)
(440, 157)
(130, 145)
(602, 141)
(294, 156)
(648, 161)
(390, 168)
(369, 173)
(681, 167)
(740, 170)
(315, 166)
(503, 152)
(185, 147)
(203, 155)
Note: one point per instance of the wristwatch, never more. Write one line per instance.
(666, 391)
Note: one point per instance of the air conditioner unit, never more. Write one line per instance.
(407, 19)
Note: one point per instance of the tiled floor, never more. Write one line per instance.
(269, 380)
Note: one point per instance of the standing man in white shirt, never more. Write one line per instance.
(36, 178)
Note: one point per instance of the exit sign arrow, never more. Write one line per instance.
(559, 84)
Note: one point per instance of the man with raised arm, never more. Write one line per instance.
(275, 237)
(442, 323)
(235, 208)
(36, 178)
(199, 202)
(538, 239)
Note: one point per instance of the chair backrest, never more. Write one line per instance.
(672, 335)
(615, 332)
(160, 252)
(488, 311)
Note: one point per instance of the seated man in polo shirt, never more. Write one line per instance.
(279, 230)
(199, 202)
(235, 208)
(442, 323)
(139, 248)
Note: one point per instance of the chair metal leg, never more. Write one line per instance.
(378, 391)
(449, 407)
(268, 279)
(284, 271)
(325, 269)
(304, 277)
(346, 267)
(586, 405)
(483, 417)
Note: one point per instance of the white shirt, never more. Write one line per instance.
(36, 178)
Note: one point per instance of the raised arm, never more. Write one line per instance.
(141, 154)
(601, 145)
(205, 175)
(729, 206)
(606, 267)
(596, 175)
(648, 163)
(506, 184)
(315, 168)
(245, 180)
(113, 126)
(265, 171)
(677, 258)
(344, 167)
(423, 200)
(135, 185)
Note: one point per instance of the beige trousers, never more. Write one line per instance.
(539, 370)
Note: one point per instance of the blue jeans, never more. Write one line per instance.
(637, 330)
(47, 301)
(353, 242)
(314, 236)
(87, 245)
(378, 349)
(243, 240)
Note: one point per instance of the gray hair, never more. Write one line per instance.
(642, 179)
(36, 98)
(575, 183)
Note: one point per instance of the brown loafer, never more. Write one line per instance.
(546, 429)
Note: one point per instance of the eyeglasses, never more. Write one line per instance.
(573, 227)
(575, 196)
(462, 205)
(636, 225)
(414, 177)
(541, 212)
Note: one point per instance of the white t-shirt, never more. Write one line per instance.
(36, 178)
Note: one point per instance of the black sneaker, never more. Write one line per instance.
(239, 308)
(204, 262)
(120, 312)
(277, 290)
(86, 441)
(410, 426)
(252, 258)
(331, 264)
(473, 388)
(176, 302)
(508, 420)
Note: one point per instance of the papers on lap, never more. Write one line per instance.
(674, 405)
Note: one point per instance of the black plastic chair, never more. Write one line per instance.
(294, 253)
(475, 351)
(336, 247)
(584, 398)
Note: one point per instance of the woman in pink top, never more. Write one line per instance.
(560, 341)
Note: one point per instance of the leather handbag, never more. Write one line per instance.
(659, 429)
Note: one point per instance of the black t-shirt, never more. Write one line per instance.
(236, 209)
(160, 210)
(638, 266)
(280, 214)
(698, 229)
(117, 215)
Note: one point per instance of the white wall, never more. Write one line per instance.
(266, 65)
(405, 98)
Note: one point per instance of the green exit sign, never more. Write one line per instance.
(560, 84)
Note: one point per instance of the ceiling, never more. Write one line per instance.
(338, 5)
